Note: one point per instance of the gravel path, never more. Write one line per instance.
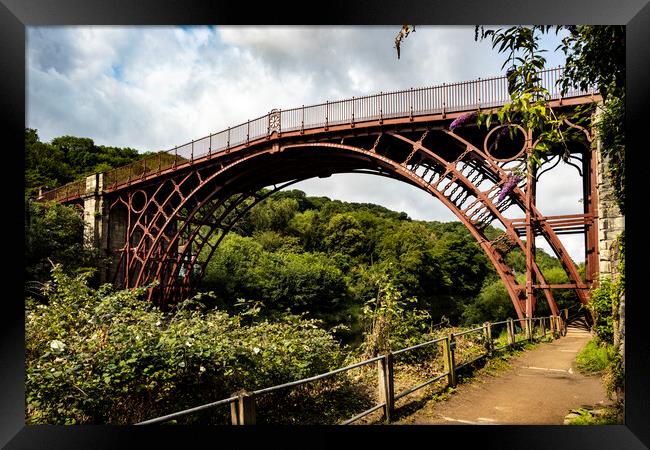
(542, 387)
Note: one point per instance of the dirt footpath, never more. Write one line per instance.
(541, 388)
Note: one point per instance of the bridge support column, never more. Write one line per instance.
(96, 217)
(531, 191)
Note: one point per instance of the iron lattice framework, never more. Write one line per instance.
(168, 213)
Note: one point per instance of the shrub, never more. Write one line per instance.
(105, 356)
(594, 357)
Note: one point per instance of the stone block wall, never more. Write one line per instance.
(610, 222)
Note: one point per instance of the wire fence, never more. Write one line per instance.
(447, 355)
(445, 98)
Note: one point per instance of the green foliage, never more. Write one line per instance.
(66, 159)
(607, 416)
(492, 304)
(343, 234)
(529, 99)
(595, 356)
(596, 57)
(105, 356)
(611, 131)
(601, 308)
(54, 234)
(391, 323)
(299, 282)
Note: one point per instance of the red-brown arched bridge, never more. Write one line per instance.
(156, 217)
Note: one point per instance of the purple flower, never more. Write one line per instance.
(508, 186)
(463, 120)
(502, 133)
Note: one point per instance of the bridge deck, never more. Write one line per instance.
(428, 104)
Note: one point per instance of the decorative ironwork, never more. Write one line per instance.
(274, 121)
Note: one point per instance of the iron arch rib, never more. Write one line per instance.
(182, 206)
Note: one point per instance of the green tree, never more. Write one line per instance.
(54, 234)
(67, 158)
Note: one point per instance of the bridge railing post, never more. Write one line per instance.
(386, 384)
(327, 110)
(449, 346)
(444, 100)
(242, 412)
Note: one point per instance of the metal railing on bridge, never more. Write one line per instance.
(493, 337)
(444, 98)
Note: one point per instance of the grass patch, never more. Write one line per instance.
(594, 357)
(605, 416)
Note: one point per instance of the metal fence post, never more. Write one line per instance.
(242, 412)
(551, 326)
(489, 345)
(511, 332)
(542, 324)
(449, 344)
(386, 385)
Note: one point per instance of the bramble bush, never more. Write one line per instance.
(98, 356)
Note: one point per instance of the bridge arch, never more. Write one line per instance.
(171, 224)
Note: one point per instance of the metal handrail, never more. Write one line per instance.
(317, 377)
(187, 411)
(420, 386)
(473, 330)
(397, 352)
(444, 98)
(343, 369)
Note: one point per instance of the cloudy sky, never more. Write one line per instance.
(152, 88)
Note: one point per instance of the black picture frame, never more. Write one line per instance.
(15, 15)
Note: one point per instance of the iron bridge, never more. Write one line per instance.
(161, 218)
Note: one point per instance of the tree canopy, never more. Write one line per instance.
(68, 158)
